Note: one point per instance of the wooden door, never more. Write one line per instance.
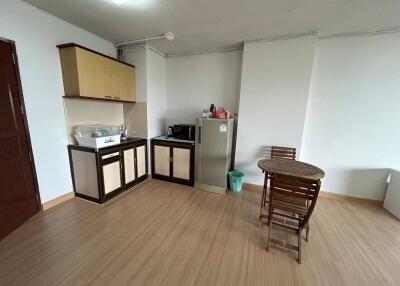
(19, 196)
(129, 166)
(141, 161)
(181, 163)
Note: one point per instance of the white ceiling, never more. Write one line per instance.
(211, 24)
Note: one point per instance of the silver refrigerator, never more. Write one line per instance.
(213, 154)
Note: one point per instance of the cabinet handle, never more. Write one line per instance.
(116, 97)
(109, 155)
(108, 96)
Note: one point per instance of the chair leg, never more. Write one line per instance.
(299, 242)
(265, 188)
(269, 233)
(308, 223)
(270, 211)
(264, 194)
(262, 202)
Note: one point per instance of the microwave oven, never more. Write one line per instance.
(184, 131)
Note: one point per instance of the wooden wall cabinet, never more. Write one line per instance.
(100, 175)
(89, 74)
(172, 161)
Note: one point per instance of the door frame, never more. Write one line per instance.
(26, 127)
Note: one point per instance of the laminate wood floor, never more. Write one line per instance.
(167, 234)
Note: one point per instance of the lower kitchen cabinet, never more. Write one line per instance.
(173, 161)
(100, 175)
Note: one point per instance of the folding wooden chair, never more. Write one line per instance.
(276, 152)
(292, 201)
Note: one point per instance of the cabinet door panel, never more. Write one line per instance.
(161, 160)
(181, 163)
(141, 160)
(85, 173)
(103, 81)
(129, 165)
(86, 73)
(111, 177)
(123, 82)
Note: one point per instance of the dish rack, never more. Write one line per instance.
(98, 136)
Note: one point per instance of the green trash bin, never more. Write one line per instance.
(236, 179)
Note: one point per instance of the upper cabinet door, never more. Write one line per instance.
(103, 77)
(123, 82)
(86, 73)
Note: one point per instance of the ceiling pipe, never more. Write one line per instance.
(169, 36)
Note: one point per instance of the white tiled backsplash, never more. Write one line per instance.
(87, 112)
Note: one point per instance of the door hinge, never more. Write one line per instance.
(30, 156)
(22, 110)
(171, 159)
(13, 56)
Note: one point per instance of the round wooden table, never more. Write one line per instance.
(286, 167)
(291, 168)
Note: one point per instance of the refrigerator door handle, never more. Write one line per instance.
(199, 135)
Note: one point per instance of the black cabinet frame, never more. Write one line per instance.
(102, 162)
(171, 145)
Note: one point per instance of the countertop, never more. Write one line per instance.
(172, 139)
(128, 140)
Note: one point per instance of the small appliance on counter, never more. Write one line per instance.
(184, 131)
(170, 131)
(98, 136)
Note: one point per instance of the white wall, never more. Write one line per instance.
(151, 87)
(36, 34)
(138, 58)
(89, 112)
(136, 115)
(352, 129)
(195, 82)
(156, 93)
(273, 99)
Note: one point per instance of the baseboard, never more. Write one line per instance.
(341, 197)
(57, 201)
(328, 195)
(252, 187)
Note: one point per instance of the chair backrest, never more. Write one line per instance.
(283, 152)
(294, 195)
